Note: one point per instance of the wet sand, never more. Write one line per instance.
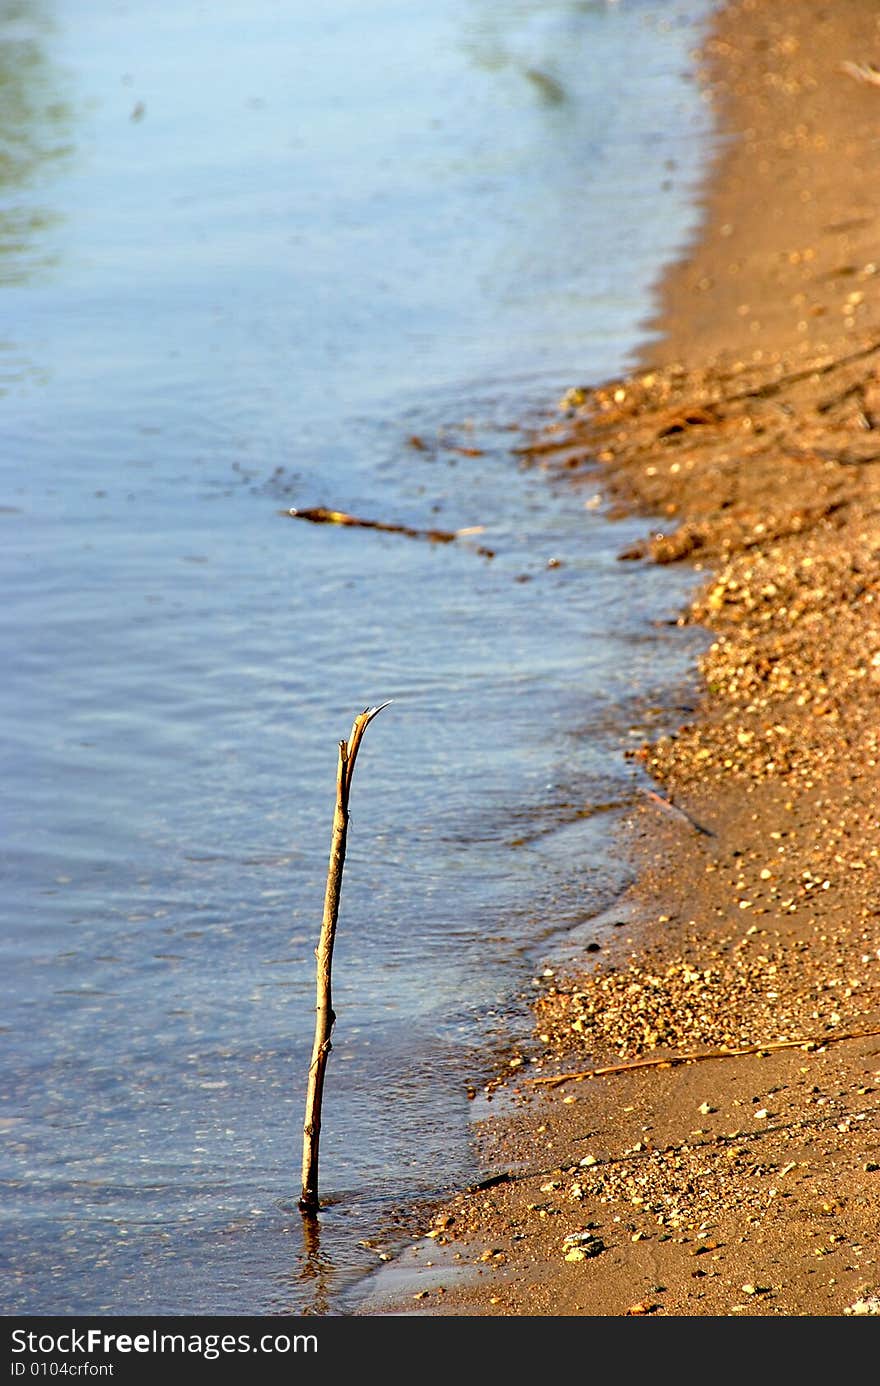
(727, 1161)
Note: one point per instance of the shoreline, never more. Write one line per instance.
(727, 1163)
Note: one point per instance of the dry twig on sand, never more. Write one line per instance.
(671, 1060)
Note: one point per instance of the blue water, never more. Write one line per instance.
(257, 256)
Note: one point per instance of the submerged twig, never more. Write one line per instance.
(320, 515)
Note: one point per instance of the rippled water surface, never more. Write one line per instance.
(261, 256)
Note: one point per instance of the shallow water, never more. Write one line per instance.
(257, 257)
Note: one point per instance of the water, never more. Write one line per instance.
(258, 256)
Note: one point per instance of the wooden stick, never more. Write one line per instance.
(324, 1014)
(673, 1059)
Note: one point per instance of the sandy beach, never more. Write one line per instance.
(692, 1128)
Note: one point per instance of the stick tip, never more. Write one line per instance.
(370, 712)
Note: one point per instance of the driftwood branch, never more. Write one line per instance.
(324, 1014)
(320, 515)
(672, 1060)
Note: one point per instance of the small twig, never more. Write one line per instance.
(773, 387)
(862, 72)
(723, 1138)
(673, 1060)
(674, 808)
